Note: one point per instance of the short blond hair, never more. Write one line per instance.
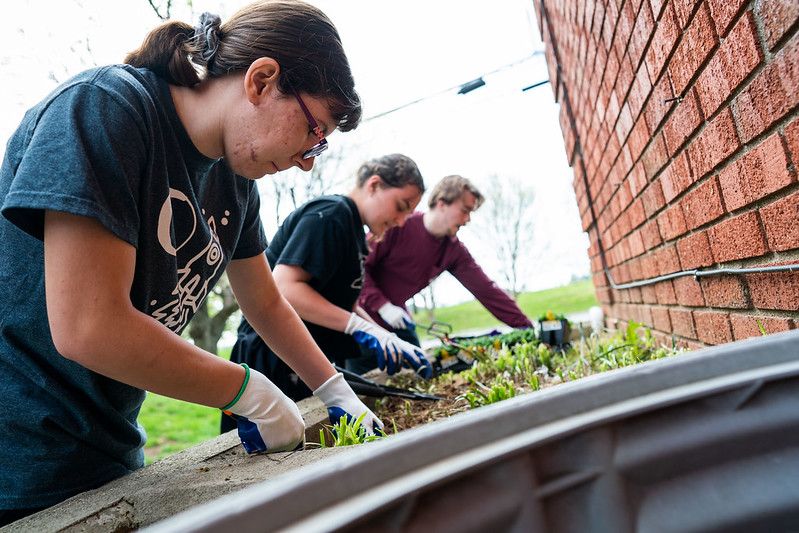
(450, 188)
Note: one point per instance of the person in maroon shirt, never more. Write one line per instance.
(409, 257)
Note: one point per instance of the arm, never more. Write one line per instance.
(488, 293)
(294, 283)
(276, 321)
(89, 273)
(270, 314)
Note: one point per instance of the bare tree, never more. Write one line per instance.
(507, 223)
(297, 187)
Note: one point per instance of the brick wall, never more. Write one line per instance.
(681, 121)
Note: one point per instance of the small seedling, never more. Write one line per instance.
(348, 432)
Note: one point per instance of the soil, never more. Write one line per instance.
(404, 413)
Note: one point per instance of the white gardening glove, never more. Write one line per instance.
(395, 316)
(268, 420)
(392, 352)
(340, 401)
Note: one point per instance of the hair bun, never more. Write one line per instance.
(208, 29)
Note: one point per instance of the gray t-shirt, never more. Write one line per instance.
(107, 144)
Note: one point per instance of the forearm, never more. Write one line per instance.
(270, 314)
(135, 349)
(313, 307)
(280, 326)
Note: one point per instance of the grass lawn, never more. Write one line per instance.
(572, 298)
(173, 425)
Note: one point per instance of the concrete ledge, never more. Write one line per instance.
(176, 483)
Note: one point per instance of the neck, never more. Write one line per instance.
(430, 221)
(196, 110)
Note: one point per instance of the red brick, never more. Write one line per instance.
(694, 251)
(684, 10)
(724, 12)
(637, 179)
(665, 294)
(643, 315)
(777, 17)
(638, 139)
(685, 120)
(745, 326)
(712, 327)
(714, 144)
(652, 198)
(724, 291)
(777, 290)
(740, 237)
(650, 235)
(682, 323)
(648, 294)
(657, 107)
(771, 95)
(624, 125)
(636, 214)
(703, 204)
(666, 33)
(660, 318)
(644, 26)
(657, 7)
(624, 30)
(667, 259)
(735, 59)
(676, 178)
(672, 223)
(760, 172)
(792, 140)
(695, 47)
(688, 292)
(654, 157)
(780, 220)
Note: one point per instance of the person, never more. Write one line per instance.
(317, 258)
(410, 257)
(125, 194)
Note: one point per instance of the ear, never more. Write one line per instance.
(374, 183)
(260, 78)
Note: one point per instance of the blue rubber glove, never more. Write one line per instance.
(340, 400)
(268, 420)
(392, 352)
(395, 316)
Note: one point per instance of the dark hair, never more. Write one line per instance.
(299, 36)
(396, 170)
(450, 188)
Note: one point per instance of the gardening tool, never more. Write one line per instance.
(456, 360)
(367, 387)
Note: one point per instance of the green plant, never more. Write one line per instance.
(347, 432)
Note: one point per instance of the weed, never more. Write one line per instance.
(348, 432)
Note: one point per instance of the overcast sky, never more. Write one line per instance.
(400, 52)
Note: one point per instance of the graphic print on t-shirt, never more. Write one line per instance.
(199, 271)
(358, 282)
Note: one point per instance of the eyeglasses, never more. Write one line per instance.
(319, 147)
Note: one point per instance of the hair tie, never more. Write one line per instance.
(208, 28)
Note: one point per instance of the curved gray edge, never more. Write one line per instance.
(280, 502)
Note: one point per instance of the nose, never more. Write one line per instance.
(304, 164)
(400, 220)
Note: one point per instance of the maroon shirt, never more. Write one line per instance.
(408, 259)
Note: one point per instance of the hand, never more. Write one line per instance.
(268, 420)
(340, 401)
(395, 316)
(392, 352)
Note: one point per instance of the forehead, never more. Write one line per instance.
(468, 199)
